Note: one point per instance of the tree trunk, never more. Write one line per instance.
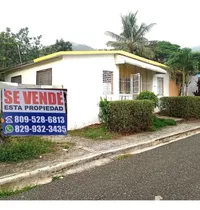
(180, 90)
(183, 83)
(186, 89)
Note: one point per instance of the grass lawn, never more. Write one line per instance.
(16, 149)
(97, 131)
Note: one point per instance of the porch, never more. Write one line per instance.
(136, 76)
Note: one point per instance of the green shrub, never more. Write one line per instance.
(23, 148)
(103, 114)
(130, 116)
(181, 106)
(160, 123)
(147, 95)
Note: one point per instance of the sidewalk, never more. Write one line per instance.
(86, 154)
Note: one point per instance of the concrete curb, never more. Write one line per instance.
(44, 175)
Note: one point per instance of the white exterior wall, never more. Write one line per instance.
(146, 79)
(82, 75)
(192, 87)
(166, 84)
(29, 73)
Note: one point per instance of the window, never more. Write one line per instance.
(125, 85)
(44, 77)
(160, 85)
(17, 79)
(107, 82)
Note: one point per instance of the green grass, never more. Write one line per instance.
(16, 149)
(6, 193)
(54, 178)
(160, 123)
(124, 156)
(98, 132)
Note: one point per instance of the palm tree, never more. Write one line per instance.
(132, 39)
(184, 63)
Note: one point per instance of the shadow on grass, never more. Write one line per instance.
(96, 131)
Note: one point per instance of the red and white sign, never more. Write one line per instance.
(27, 100)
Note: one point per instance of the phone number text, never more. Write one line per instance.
(39, 129)
(39, 119)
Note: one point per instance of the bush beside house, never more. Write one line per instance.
(147, 95)
(182, 106)
(130, 116)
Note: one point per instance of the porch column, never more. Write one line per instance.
(116, 83)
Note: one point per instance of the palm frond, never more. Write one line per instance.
(114, 36)
(117, 45)
(132, 38)
(143, 29)
(129, 25)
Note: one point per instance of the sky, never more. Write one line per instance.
(85, 21)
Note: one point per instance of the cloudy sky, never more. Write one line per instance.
(85, 21)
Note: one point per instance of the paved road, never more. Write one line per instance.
(171, 171)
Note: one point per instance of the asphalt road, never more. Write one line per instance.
(171, 172)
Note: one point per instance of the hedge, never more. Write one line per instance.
(130, 116)
(148, 96)
(181, 106)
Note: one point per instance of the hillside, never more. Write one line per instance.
(196, 49)
(80, 47)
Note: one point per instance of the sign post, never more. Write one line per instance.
(28, 112)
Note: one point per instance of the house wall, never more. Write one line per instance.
(82, 75)
(166, 83)
(193, 85)
(29, 73)
(173, 88)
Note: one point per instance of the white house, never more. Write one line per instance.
(192, 87)
(89, 75)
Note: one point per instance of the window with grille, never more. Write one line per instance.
(107, 82)
(44, 77)
(160, 86)
(17, 79)
(125, 85)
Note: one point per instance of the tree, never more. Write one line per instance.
(16, 48)
(163, 50)
(60, 45)
(183, 62)
(20, 47)
(8, 49)
(132, 37)
(29, 47)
